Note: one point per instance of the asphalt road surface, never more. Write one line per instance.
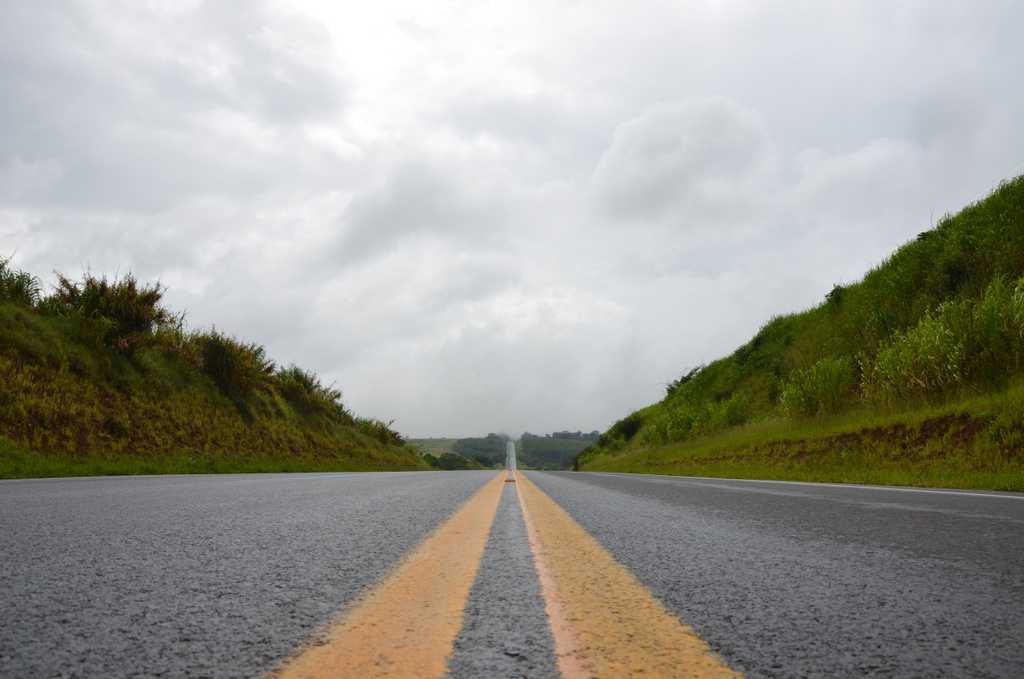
(197, 576)
(821, 580)
(234, 575)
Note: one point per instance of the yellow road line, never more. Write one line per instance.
(407, 625)
(604, 621)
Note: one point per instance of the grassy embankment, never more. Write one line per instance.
(99, 378)
(915, 375)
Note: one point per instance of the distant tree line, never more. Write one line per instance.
(575, 435)
(488, 451)
(451, 461)
(557, 450)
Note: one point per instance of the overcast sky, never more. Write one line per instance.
(503, 216)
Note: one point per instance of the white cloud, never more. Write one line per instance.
(496, 217)
(698, 153)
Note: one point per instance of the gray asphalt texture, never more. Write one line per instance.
(197, 576)
(790, 580)
(228, 575)
(505, 632)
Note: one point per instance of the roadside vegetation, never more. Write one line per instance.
(466, 453)
(98, 377)
(556, 450)
(914, 375)
(486, 451)
(452, 461)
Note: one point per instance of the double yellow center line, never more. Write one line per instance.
(605, 623)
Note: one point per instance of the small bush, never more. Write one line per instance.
(834, 297)
(380, 431)
(120, 314)
(675, 423)
(674, 386)
(304, 391)
(18, 287)
(819, 390)
(237, 368)
(729, 412)
(623, 430)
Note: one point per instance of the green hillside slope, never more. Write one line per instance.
(910, 376)
(100, 378)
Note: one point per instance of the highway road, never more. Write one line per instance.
(463, 574)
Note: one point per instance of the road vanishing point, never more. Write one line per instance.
(463, 574)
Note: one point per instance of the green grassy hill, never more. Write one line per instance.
(912, 375)
(100, 378)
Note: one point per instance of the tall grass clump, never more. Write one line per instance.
(307, 394)
(237, 368)
(623, 431)
(924, 360)
(964, 343)
(120, 313)
(379, 431)
(822, 389)
(18, 287)
(680, 418)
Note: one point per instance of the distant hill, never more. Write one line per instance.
(440, 453)
(489, 450)
(557, 450)
(99, 377)
(465, 453)
(912, 375)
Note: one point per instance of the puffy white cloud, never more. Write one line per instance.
(694, 155)
(417, 201)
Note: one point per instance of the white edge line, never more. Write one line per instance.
(1005, 495)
